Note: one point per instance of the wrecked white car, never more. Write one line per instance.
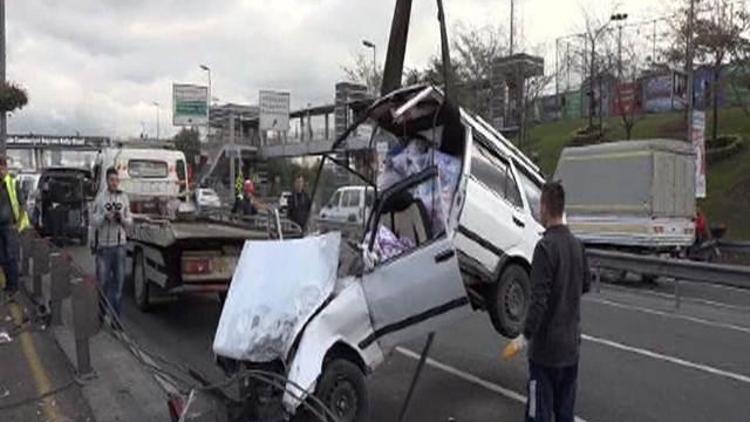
(452, 229)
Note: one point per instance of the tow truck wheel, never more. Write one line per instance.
(508, 301)
(140, 283)
(342, 389)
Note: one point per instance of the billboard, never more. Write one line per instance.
(189, 105)
(698, 138)
(627, 99)
(274, 110)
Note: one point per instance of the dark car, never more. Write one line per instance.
(62, 203)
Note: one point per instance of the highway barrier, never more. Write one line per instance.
(735, 276)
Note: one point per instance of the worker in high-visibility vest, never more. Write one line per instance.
(13, 219)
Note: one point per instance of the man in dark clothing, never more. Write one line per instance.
(299, 203)
(246, 205)
(559, 277)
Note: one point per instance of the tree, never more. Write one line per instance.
(12, 97)
(718, 30)
(188, 141)
(364, 73)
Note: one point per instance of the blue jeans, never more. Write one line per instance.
(110, 272)
(9, 256)
(552, 391)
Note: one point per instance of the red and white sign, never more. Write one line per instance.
(698, 138)
(626, 98)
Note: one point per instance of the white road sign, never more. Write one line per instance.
(189, 105)
(274, 110)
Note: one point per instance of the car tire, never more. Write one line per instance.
(343, 390)
(141, 288)
(509, 300)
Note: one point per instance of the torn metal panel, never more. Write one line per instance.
(345, 320)
(276, 288)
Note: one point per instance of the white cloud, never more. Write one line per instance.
(96, 66)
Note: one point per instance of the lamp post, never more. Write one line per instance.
(370, 44)
(156, 105)
(619, 17)
(594, 36)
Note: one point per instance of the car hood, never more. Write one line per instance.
(277, 286)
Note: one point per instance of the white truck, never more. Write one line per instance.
(635, 196)
(173, 249)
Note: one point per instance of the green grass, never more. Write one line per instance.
(726, 202)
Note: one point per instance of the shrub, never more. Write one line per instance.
(723, 147)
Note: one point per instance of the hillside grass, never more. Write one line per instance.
(728, 196)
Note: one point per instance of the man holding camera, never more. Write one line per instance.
(110, 219)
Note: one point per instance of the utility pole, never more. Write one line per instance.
(3, 115)
(394, 59)
(557, 67)
(512, 25)
(689, 69)
(158, 123)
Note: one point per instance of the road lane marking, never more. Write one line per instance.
(42, 381)
(671, 296)
(665, 314)
(473, 379)
(666, 358)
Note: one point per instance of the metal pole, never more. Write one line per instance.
(557, 68)
(619, 52)
(512, 25)
(417, 373)
(3, 115)
(232, 170)
(394, 59)
(591, 81)
(689, 69)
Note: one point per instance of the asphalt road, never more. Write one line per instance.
(641, 359)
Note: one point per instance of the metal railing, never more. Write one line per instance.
(735, 247)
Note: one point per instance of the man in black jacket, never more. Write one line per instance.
(559, 277)
(299, 203)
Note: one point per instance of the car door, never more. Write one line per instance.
(419, 290)
(493, 220)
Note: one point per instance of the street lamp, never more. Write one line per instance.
(370, 44)
(594, 37)
(156, 104)
(619, 17)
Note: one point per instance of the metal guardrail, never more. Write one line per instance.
(720, 274)
(736, 247)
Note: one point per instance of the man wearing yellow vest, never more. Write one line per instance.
(13, 219)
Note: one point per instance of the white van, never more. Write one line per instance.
(349, 204)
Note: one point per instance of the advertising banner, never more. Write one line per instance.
(698, 138)
(627, 101)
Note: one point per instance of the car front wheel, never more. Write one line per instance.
(343, 391)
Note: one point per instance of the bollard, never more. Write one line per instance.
(59, 285)
(40, 254)
(85, 321)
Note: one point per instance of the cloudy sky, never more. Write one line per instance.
(96, 66)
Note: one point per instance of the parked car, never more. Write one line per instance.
(62, 203)
(452, 226)
(207, 198)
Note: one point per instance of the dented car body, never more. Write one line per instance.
(438, 242)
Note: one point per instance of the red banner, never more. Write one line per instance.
(627, 98)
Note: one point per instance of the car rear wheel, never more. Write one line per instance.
(140, 282)
(508, 301)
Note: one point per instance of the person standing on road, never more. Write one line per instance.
(13, 219)
(111, 217)
(559, 277)
(299, 203)
(246, 204)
